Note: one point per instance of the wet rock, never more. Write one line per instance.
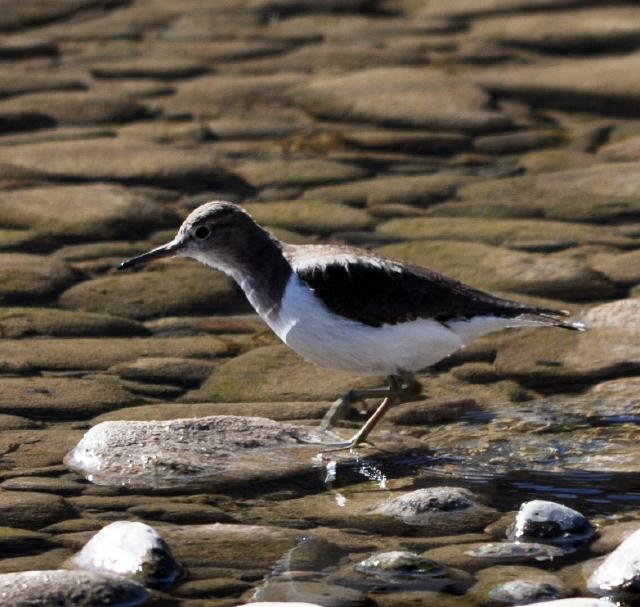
(546, 356)
(218, 587)
(517, 585)
(33, 322)
(43, 484)
(181, 513)
(173, 370)
(192, 452)
(31, 278)
(310, 217)
(622, 314)
(166, 290)
(62, 397)
(293, 591)
(619, 573)
(432, 411)
(499, 269)
(449, 509)
(273, 373)
(575, 602)
(77, 108)
(69, 588)
(401, 97)
(425, 142)
(515, 551)
(31, 510)
(96, 212)
(597, 84)
(419, 190)
(118, 160)
(586, 30)
(622, 268)
(551, 523)
(400, 566)
(130, 549)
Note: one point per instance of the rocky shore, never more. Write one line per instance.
(149, 421)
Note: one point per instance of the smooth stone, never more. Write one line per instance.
(297, 173)
(592, 84)
(418, 190)
(26, 278)
(181, 513)
(463, 9)
(621, 314)
(116, 160)
(148, 67)
(310, 217)
(95, 212)
(17, 15)
(20, 541)
(568, 31)
(546, 521)
(17, 81)
(401, 97)
(519, 141)
(173, 370)
(130, 549)
(191, 453)
(432, 411)
(165, 290)
(275, 373)
(31, 510)
(35, 322)
(217, 96)
(549, 356)
(58, 398)
(621, 268)
(496, 268)
(43, 484)
(329, 595)
(207, 589)
(501, 232)
(69, 588)
(620, 571)
(31, 355)
(425, 142)
(575, 602)
(77, 108)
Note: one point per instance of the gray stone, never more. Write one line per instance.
(620, 571)
(69, 589)
(130, 549)
(512, 552)
(400, 564)
(211, 452)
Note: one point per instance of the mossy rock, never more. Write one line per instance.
(31, 278)
(166, 290)
(498, 269)
(30, 510)
(274, 373)
(32, 322)
(503, 232)
(89, 212)
(310, 217)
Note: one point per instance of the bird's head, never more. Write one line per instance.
(215, 234)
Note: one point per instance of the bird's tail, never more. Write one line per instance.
(553, 318)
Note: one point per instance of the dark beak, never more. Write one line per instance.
(169, 249)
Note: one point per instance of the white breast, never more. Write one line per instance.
(329, 340)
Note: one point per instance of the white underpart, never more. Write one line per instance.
(329, 340)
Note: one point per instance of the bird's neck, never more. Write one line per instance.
(262, 271)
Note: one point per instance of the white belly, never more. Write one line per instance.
(324, 338)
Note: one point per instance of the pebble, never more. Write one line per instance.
(551, 523)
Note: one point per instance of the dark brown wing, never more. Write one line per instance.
(377, 291)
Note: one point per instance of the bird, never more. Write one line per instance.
(346, 308)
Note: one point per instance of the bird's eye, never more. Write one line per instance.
(202, 232)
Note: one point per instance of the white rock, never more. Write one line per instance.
(130, 549)
(620, 569)
(624, 314)
(549, 520)
(575, 602)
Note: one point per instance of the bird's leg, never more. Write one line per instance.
(395, 393)
(340, 407)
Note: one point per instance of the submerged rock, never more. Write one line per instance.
(130, 549)
(515, 551)
(620, 572)
(522, 592)
(400, 565)
(550, 522)
(69, 589)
